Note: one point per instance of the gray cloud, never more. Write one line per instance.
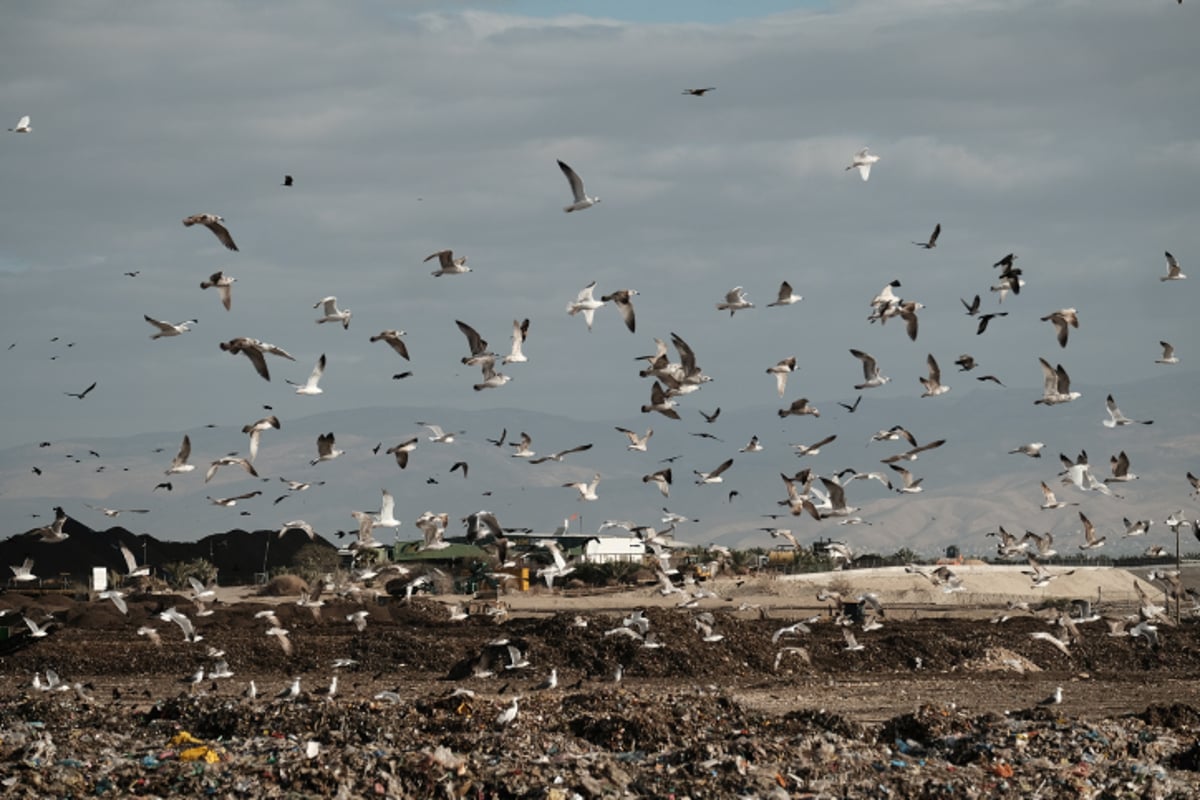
(1063, 131)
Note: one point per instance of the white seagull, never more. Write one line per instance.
(637, 442)
(587, 491)
(862, 161)
(169, 328)
(1033, 450)
(785, 297)
(1116, 418)
(933, 384)
(331, 313)
(870, 371)
(223, 284)
(310, 386)
(781, 372)
(325, 449)
(1168, 355)
(735, 300)
(23, 126)
(213, 223)
(715, 475)
(448, 264)
(1173, 271)
(179, 463)
(519, 334)
(586, 304)
(582, 201)
(1057, 385)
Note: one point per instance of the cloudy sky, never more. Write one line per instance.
(1065, 131)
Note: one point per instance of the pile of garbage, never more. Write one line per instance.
(608, 742)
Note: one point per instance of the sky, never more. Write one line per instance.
(1064, 131)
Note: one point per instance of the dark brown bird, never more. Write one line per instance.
(933, 237)
(986, 318)
(702, 92)
(287, 180)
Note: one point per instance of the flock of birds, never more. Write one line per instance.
(807, 493)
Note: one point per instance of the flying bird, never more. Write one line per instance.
(169, 328)
(582, 200)
(448, 264)
(1168, 354)
(402, 450)
(310, 386)
(622, 299)
(213, 223)
(1173, 271)
(392, 337)
(637, 442)
(562, 453)
(851, 407)
(253, 349)
(1057, 385)
(984, 319)
(692, 92)
(1117, 419)
(1064, 319)
(735, 300)
(781, 372)
(82, 394)
(870, 371)
(661, 479)
(227, 461)
(288, 180)
(799, 408)
(587, 491)
(932, 243)
(862, 161)
(331, 312)
(179, 463)
(23, 126)
(971, 307)
(715, 475)
(520, 333)
(785, 297)
(584, 303)
(325, 449)
(223, 284)
(933, 384)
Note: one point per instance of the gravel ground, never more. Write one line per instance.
(928, 708)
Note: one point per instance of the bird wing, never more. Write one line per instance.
(575, 181)
(476, 343)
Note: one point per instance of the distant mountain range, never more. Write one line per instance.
(971, 484)
(237, 554)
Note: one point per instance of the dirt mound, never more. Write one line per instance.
(285, 586)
